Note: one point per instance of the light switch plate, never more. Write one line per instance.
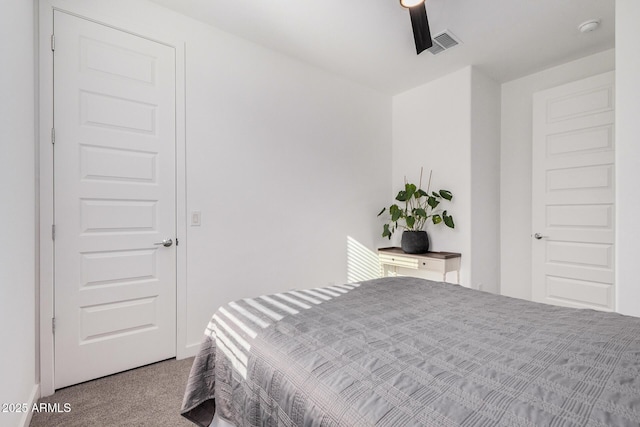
(195, 218)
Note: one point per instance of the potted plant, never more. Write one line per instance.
(411, 214)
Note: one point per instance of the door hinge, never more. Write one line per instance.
(176, 241)
(53, 232)
(53, 325)
(53, 135)
(53, 42)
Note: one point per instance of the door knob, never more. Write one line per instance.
(539, 236)
(166, 243)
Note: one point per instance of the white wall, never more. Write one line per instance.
(515, 164)
(432, 129)
(485, 182)
(17, 210)
(451, 125)
(284, 161)
(627, 156)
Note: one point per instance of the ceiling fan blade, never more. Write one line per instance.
(420, 24)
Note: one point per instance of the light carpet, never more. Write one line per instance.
(146, 396)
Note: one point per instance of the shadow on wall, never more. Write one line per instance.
(362, 263)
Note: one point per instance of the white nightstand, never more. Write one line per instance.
(395, 260)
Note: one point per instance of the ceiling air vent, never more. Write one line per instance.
(443, 41)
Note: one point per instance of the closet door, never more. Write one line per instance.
(573, 194)
(115, 204)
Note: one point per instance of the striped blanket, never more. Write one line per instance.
(407, 352)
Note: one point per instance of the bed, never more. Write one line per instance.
(402, 351)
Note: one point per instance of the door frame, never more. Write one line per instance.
(45, 197)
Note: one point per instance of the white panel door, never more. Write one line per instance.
(114, 169)
(573, 194)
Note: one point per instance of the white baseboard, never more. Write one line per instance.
(33, 398)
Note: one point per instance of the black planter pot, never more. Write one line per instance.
(415, 242)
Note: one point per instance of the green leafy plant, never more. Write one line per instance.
(416, 207)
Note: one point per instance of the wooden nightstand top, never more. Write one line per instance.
(438, 255)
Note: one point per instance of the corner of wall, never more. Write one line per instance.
(485, 182)
(432, 128)
(627, 156)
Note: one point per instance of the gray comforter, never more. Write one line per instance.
(409, 352)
